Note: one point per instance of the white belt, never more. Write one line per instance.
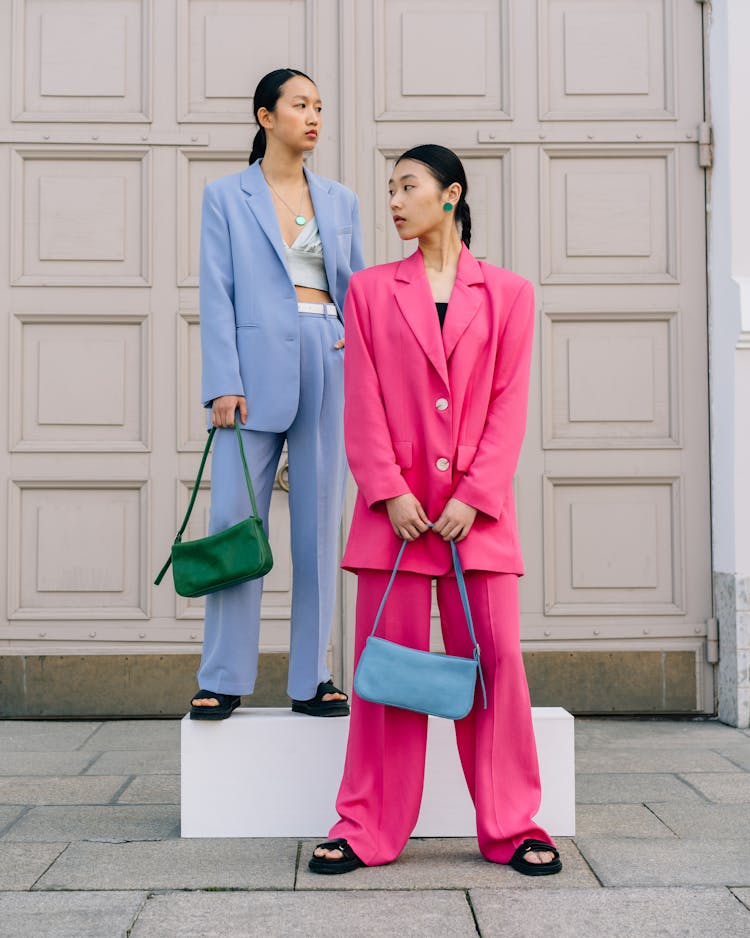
(320, 309)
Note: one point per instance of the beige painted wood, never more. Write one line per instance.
(577, 121)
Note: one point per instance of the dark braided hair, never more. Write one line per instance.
(266, 95)
(446, 168)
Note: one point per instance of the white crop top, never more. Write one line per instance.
(305, 258)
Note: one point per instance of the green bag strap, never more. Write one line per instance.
(196, 487)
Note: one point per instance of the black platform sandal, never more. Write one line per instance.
(317, 707)
(345, 864)
(227, 704)
(519, 862)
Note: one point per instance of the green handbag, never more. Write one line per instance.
(227, 558)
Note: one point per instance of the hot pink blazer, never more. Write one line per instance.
(436, 414)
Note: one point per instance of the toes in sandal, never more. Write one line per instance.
(519, 862)
(317, 707)
(227, 703)
(345, 864)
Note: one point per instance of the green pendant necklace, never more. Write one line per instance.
(299, 218)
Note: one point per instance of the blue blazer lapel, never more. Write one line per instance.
(261, 205)
(414, 299)
(464, 302)
(322, 200)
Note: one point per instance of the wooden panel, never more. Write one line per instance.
(191, 416)
(613, 547)
(78, 550)
(437, 60)
(81, 60)
(80, 217)
(226, 46)
(83, 383)
(610, 379)
(606, 59)
(609, 216)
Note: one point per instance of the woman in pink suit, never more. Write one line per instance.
(436, 375)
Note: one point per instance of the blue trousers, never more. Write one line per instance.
(317, 480)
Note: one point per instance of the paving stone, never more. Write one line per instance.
(107, 822)
(688, 862)
(314, 915)
(697, 759)
(44, 736)
(152, 789)
(21, 865)
(227, 863)
(722, 789)
(744, 896)
(45, 763)
(635, 788)
(711, 820)
(10, 813)
(76, 789)
(655, 734)
(619, 820)
(626, 913)
(69, 915)
(738, 755)
(442, 863)
(136, 734)
(130, 762)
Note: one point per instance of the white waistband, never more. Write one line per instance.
(320, 309)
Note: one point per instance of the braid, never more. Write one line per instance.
(465, 223)
(259, 146)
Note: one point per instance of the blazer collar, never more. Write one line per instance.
(414, 298)
(261, 204)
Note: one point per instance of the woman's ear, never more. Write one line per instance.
(264, 118)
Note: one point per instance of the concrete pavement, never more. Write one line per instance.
(90, 846)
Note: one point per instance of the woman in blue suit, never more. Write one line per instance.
(278, 245)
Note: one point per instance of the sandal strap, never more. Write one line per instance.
(537, 846)
(212, 695)
(342, 845)
(328, 687)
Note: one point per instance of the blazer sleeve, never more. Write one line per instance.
(220, 359)
(368, 440)
(485, 485)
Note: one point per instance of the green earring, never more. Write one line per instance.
(447, 206)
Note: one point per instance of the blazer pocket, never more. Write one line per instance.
(403, 454)
(465, 456)
(248, 325)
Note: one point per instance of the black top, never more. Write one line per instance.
(441, 309)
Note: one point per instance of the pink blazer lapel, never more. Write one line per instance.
(464, 302)
(415, 301)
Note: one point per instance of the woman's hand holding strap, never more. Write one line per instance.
(224, 409)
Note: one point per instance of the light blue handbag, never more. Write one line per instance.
(423, 681)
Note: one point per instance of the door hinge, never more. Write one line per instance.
(705, 146)
(712, 641)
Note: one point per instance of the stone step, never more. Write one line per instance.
(274, 773)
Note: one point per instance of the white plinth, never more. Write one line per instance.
(274, 773)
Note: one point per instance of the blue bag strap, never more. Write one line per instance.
(464, 602)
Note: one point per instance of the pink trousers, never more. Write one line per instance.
(381, 790)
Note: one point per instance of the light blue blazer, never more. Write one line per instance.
(249, 322)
